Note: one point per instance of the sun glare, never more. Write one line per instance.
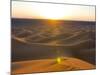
(53, 12)
(58, 60)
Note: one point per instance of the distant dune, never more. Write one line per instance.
(50, 65)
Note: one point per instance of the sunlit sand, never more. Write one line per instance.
(50, 65)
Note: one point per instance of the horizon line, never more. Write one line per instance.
(55, 19)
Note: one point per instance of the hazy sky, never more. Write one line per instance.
(52, 11)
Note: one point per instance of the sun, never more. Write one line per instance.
(53, 12)
(53, 15)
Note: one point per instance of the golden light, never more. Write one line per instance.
(53, 12)
(58, 60)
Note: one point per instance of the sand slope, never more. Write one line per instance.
(50, 65)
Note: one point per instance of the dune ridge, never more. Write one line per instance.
(50, 65)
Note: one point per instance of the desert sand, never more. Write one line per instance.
(50, 65)
(36, 44)
(40, 39)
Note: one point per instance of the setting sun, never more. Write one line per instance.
(53, 12)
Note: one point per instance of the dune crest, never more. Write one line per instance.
(50, 65)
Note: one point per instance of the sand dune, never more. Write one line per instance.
(55, 37)
(34, 41)
(62, 39)
(24, 51)
(50, 65)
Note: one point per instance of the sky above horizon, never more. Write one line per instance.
(33, 10)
